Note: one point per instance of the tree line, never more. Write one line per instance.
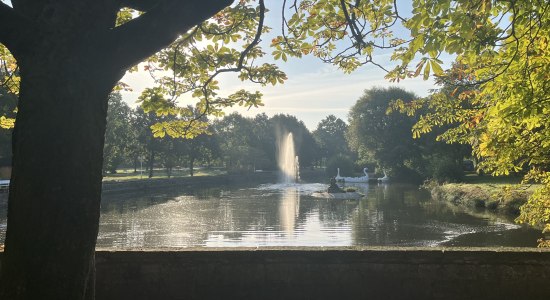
(374, 138)
(234, 142)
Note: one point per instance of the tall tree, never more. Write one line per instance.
(119, 135)
(150, 147)
(235, 136)
(264, 141)
(70, 55)
(381, 138)
(330, 135)
(386, 139)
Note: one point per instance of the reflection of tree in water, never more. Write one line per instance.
(391, 215)
(334, 212)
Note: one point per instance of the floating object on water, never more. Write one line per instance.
(384, 179)
(335, 192)
(353, 179)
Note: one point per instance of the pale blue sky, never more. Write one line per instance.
(313, 90)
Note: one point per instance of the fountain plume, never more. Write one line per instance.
(288, 160)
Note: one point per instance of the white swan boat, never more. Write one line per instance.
(384, 179)
(352, 179)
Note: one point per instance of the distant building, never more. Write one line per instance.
(5, 168)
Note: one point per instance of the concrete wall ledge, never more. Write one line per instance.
(324, 273)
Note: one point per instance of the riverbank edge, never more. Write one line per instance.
(491, 198)
(142, 185)
(128, 186)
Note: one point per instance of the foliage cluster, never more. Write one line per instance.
(495, 97)
(234, 142)
(385, 139)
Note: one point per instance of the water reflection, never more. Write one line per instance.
(289, 208)
(285, 215)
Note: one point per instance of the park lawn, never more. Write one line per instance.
(129, 174)
(503, 194)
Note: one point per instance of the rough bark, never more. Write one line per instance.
(53, 208)
(70, 58)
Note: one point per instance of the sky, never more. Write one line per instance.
(313, 90)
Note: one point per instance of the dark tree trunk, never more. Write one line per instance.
(70, 56)
(191, 166)
(151, 163)
(55, 190)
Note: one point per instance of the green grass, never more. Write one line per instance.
(129, 174)
(473, 178)
(504, 193)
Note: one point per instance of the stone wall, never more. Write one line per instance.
(324, 273)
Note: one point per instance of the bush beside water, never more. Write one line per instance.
(496, 198)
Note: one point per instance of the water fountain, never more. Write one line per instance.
(288, 160)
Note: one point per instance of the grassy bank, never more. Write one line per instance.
(130, 174)
(495, 194)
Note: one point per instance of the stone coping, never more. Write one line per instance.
(328, 248)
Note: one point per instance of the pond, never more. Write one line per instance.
(286, 215)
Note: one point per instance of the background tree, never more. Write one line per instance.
(8, 102)
(234, 133)
(330, 136)
(304, 143)
(385, 138)
(118, 135)
(151, 146)
(138, 148)
(203, 149)
(382, 139)
(9, 89)
(264, 140)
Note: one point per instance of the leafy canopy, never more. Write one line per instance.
(496, 96)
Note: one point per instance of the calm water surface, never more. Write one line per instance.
(286, 215)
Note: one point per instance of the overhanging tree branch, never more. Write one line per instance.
(140, 38)
(141, 5)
